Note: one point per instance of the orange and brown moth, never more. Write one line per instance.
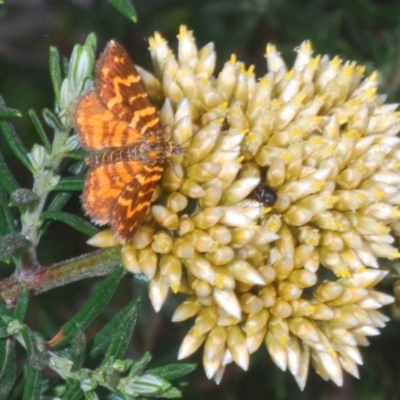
(119, 125)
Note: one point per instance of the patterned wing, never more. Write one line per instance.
(104, 184)
(120, 87)
(132, 204)
(98, 127)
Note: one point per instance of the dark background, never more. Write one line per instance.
(361, 30)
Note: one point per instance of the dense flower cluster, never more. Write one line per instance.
(297, 277)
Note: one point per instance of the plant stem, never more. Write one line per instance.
(97, 263)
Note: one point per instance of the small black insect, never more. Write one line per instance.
(264, 194)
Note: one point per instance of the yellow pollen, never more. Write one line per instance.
(342, 118)
(318, 185)
(251, 331)
(233, 59)
(360, 198)
(196, 332)
(379, 194)
(348, 71)
(266, 210)
(336, 61)
(313, 241)
(283, 340)
(314, 62)
(289, 74)
(328, 151)
(287, 158)
(394, 255)
(252, 138)
(219, 281)
(354, 103)
(272, 225)
(342, 272)
(331, 200)
(224, 106)
(205, 82)
(360, 69)
(396, 212)
(296, 132)
(308, 46)
(183, 32)
(239, 160)
(175, 286)
(300, 98)
(250, 70)
(310, 309)
(383, 229)
(332, 352)
(373, 77)
(270, 48)
(263, 82)
(242, 67)
(361, 168)
(276, 103)
(370, 93)
(156, 41)
(317, 141)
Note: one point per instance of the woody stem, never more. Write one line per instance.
(97, 263)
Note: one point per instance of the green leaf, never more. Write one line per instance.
(77, 168)
(70, 183)
(78, 155)
(126, 8)
(22, 305)
(6, 112)
(52, 120)
(36, 358)
(4, 312)
(171, 393)
(122, 334)
(14, 141)
(74, 391)
(140, 365)
(33, 383)
(13, 243)
(8, 366)
(91, 310)
(59, 201)
(91, 396)
(40, 130)
(7, 224)
(102, 340)
(91, 41)
(6, 177)
(74, 221)
(172, 371)
(77, 350)
(55, 72)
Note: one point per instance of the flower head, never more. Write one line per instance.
(297, 276)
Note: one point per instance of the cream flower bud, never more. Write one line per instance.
(236, 344)
(158, 291)
(227, 300)
(186, 309)
(129, 259)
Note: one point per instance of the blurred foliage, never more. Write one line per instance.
(367, 31)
